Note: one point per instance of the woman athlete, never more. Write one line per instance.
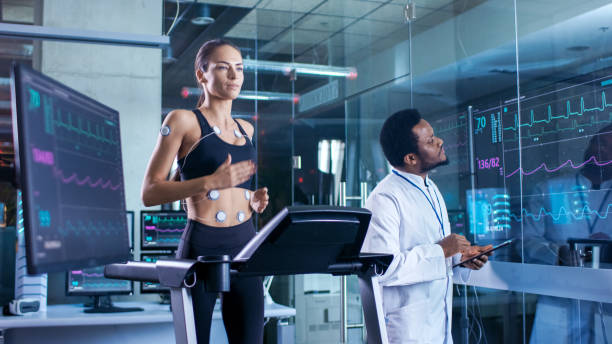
(216, 162)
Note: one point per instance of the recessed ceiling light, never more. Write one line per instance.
(202, 21)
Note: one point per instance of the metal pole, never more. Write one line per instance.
(464, 318)
(363, 196)
(344, 310)
(364, 193)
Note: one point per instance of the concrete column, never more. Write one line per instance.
(125, 78)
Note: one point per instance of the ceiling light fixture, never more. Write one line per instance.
(187, 92)
(203, 18)
(288, 68)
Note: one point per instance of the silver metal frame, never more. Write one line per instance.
(82, 36)
(344, 323)
(182, 316)
(371, 296)
(371, 300)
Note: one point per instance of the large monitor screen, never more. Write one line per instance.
(70, 173)
(161, 229)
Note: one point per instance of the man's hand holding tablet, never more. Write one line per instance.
(476, 257)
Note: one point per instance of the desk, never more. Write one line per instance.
(68, 324)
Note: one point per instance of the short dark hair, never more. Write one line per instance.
(397, 138)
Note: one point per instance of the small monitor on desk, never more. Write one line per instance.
(70, 171)
(161, 229)
(91, 282)
(150, 287)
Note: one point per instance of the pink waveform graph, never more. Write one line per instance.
(43, 157)
(92, 275)
(87, 181)
(153, 228)
(551, 170)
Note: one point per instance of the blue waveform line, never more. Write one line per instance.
(450, 124)
(167, 239)
(99, 285)
(580, 214)
(550, 116)
(90, 227)
(80, 128)
(165, 230)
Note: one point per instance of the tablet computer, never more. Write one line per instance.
(503, 244)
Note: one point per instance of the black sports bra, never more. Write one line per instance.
(211, 151)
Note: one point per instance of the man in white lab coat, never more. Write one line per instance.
(410, 221)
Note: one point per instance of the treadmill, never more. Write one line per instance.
(297, 240)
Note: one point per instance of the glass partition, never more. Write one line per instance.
(563, 132)
(518, 90)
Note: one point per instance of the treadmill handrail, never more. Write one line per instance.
(169, 273)
(136, 271)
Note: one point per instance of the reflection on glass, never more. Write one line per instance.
(573, 206)
(482, 315)
(561, 320)
(527, 139)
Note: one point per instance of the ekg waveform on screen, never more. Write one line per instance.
(92, 281)
(567, 163)
(162, 229)
(563, 213)
(72, 174)
(548, 117)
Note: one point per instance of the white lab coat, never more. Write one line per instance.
(417, 286)
(560, 320)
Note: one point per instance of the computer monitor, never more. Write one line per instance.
(91, 282)
(68, 160)
(161, 229)
(150, 287)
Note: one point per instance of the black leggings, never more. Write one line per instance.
(243, 305)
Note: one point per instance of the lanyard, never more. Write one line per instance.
(428, 200)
